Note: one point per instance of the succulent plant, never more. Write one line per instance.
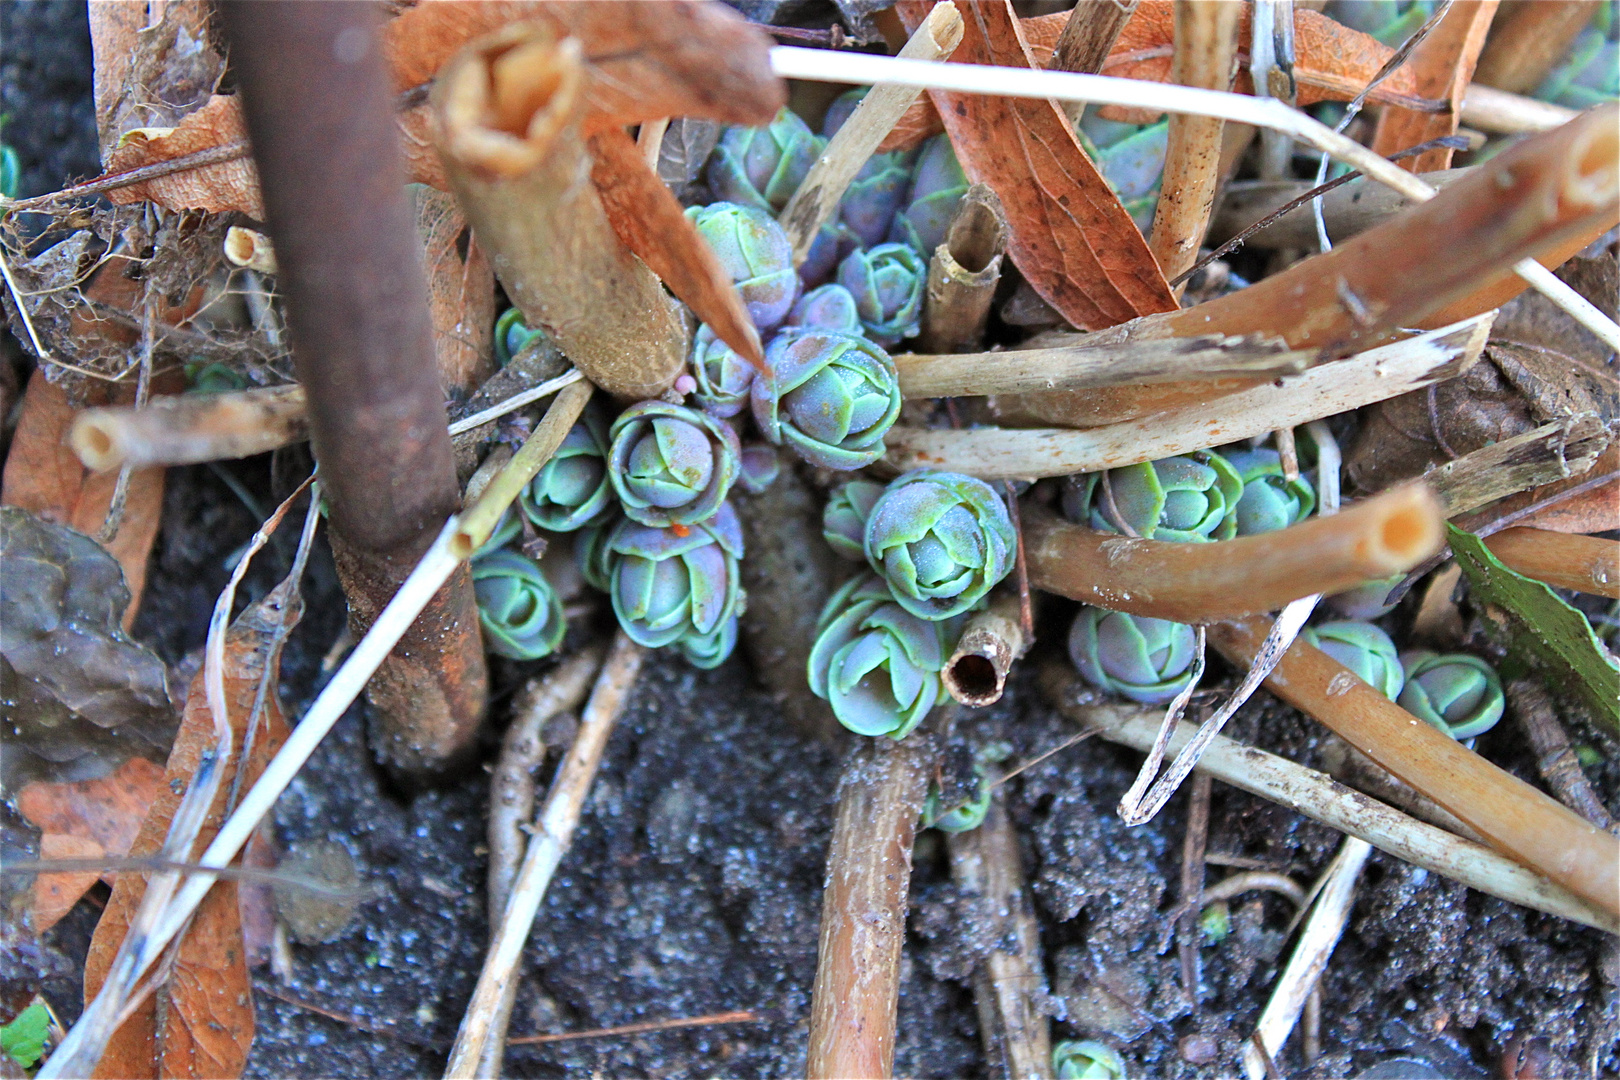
(511, 335)
(1086, 1059)
(755, 251)
(961, 818)
(678, 585)
(1459, 694)
(876, 664)
(722, 375)
(1269, 500)
(942, 541)
(1364, 649)
(518, 609)
(1366, 601)
(887, 283)
(573, 489)
(830, 307)
(591, 552)
(1188, 498)
(832, 244)
(671, 465)
(761, 464)
(1146, 660)
(843, 521)
(762, 166)
(937, 185)
(875, 195)
(830, 396)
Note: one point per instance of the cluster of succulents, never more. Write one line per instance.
(934, 544)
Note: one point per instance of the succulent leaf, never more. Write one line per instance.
(755, 252)
(1269, 500)
(887, 284)
(830, 307)
(722, 375)
(964, 817)
(573, 489)
(876, 664)
(937, 185)
(830, 396)
(671, 465)
(1086, 1059)
(1146, 660)
(762, 167)
(511, 336)
(1364, 649)
(678, 585)
(942, 541)
(843, 521)
(1189, 498)
(1459, 694)
(521, 614)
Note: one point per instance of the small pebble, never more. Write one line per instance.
(1198, 1049)
(314, 917)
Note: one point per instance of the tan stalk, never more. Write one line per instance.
(1088, 37)
(993, 638)
(191, 428)
(1349, 209)
(250, 249)
(1588, 564)
(963, 274)
(1490, 109)
(1528, 40)
(506, 116)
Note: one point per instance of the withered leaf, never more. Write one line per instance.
(1441, 66)
(1071, 238)
(461, 292)
(200, 1022)
(686, 145)
(650, 222)
(153, 64)
(229, 185)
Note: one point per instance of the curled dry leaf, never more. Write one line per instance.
(203, 1024)
(230, 185)
(461, 292)
(153, 64)
(1071, 238)
(1441, 66)
(86, 819)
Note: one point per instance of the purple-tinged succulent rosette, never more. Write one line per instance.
(763, 166)
(671, 465)
(887, 283)
(755, 252)
(679, 585)
(942, 541)
(573, 489)
(722, 375)
(830, 396)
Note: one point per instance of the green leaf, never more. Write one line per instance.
(1550, 632)
(24, 1038)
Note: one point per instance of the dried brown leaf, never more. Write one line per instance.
(1071, 238)
(461, 292)
(153, 64)
(648, 219)
(1441, 66)
(45, 477)
(87, 819)
(230, 185)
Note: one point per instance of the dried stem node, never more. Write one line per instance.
(191, 428)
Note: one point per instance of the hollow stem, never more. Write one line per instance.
(1490, 109)
(191, 428)
(964, 272)
(1513, 817)
(1588, 564)
(863, 909)
(507, 124)
(993, 638)
(1200, 583)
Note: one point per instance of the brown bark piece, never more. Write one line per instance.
(1071, 238)
(1442, 65)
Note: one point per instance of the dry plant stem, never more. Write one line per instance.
(553, 831)
(1512, 816)
(1090, 365)
(1588, 564)
(190, 428)
(1528, 40)
(1556, 451)
(1489, 109)
(1334, 895)
(963, 274)
(993, 638)
(1192, 884)
(1328, 389)
(1349, 209)
(1533, 708)
(736, 1016)
(324, 136)
(650, 139)
(863, 909)
(816, 200)
(1009, 979)
(506, 122)
(250, 249)
(1199, 583)
(1088, 37)
(214, 155)
(1320, 798)
(511, 805)
(1205, 44)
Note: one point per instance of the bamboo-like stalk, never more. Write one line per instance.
(250, 249)
(1348, 209)
(1490, 109)
(1527, 42)
(993, 638)
(1198, 583)
(190, 428)
(1513, 817)
(964, 272)
(1224, 416)
(863, 909)
(549, 842)
(1320, 798)
(816, 200)
(1588, 564)
(1555, 451)
(1088, 37)
(1205, 44)
(1009, 978)
(506, 116)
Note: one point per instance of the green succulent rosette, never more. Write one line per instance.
(755, 253)
(573, 489)
(937, 186)
(1364, 649)
(1459, 694)
(521, 614)
(1146, 660)
(679, 585)
(831, 397)
(879, 188)
(887, 283)
(723, 377)
(941, 540)
(829, 307)
(1086, 1059)
(843, 520)
(512, 336)
(961, 818)
(1270, 500)
(506, 530)
(762, 167)
(671, 465)
(1189, 498)
(875, 663)
(591, 553)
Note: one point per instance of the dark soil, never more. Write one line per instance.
(693, 885)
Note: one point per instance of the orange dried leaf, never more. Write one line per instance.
(45, 477)
(1071, 238)
(230, 185)
(1441, 66)
(650, 222)
(461, 292)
